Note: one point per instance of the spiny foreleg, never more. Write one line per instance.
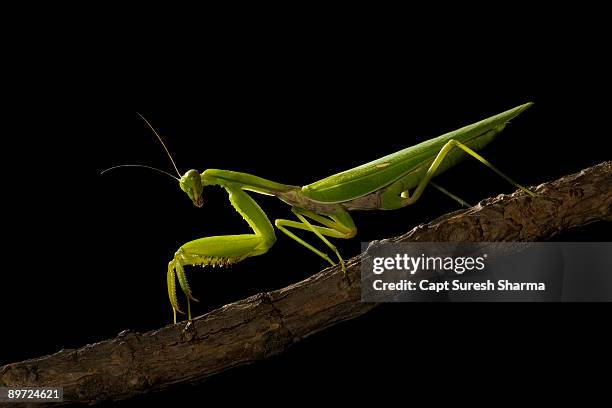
(221, 250)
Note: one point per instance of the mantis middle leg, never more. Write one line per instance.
(397, 194)
(339, 225)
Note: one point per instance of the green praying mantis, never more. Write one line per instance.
(322, 208)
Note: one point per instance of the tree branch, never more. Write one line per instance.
(268, 323)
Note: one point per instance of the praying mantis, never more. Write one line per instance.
(323, 207)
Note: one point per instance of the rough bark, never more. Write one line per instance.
(266, 324)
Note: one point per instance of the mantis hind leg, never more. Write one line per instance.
(397, 195)
(340, 225)
(451, 195)
(221, 250)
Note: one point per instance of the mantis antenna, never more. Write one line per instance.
(140, 165)
(162, 143)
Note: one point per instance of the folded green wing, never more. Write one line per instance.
(372, 176)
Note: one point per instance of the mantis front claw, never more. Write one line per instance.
(210, 251)
(176, 270)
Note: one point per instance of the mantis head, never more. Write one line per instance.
(191, 183)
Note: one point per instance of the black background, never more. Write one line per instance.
(87, 254)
